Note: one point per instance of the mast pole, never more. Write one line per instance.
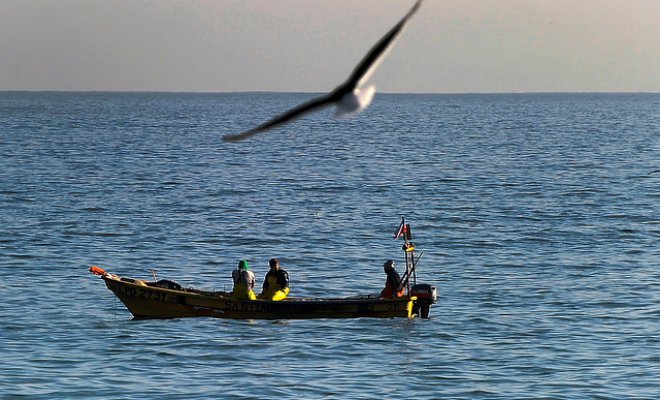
(409, 250)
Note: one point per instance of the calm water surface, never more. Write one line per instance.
(539, 217)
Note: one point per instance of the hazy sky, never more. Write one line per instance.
(312, 45)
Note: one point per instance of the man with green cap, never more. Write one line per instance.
(243, 282)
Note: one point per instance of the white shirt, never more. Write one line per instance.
(244, 277)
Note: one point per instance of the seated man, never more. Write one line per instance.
(276, 282)
(392, 282)
(243, 282)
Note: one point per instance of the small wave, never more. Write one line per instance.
(94, 209)
(96, 233)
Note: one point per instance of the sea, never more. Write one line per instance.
(536, 216)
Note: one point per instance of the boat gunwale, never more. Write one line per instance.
(221, 295)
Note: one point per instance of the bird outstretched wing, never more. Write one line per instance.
(370, 62)
(297, 112)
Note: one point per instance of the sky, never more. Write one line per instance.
(450, 46)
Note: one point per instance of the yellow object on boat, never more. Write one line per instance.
(280, 295)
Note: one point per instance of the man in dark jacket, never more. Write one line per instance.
(276, 282)
(392, 282)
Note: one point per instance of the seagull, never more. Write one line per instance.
(350, 97)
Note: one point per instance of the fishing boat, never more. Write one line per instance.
(167, 299)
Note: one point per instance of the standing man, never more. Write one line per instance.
(276, 282)
(392, 282)
(243, 282)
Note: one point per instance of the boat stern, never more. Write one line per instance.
(426, 295)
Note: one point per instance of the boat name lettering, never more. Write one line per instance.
(250, 306)
(145, 294)
(154, 295)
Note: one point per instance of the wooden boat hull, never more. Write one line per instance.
(144, 301)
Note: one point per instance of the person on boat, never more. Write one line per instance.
(276, 282)
(392, 282)
(243, 282)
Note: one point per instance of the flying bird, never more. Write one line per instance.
(350, 97)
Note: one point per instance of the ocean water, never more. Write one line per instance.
(538, 215)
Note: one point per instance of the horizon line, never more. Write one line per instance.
(314, 92)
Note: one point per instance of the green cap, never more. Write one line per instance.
(243, 264)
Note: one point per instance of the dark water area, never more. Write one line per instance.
(538, 215)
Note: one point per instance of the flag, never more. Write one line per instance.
(401, 230)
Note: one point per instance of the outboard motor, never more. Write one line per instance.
(426, 295)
